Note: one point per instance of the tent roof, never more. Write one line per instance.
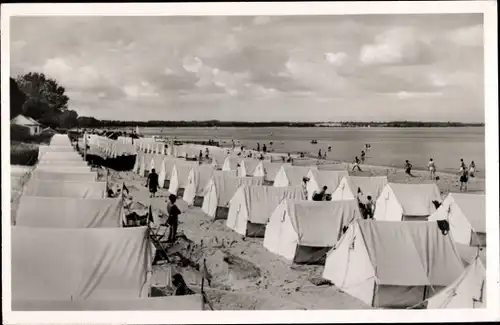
(416, 199)
(466, 288)
(261, 201)
(226, 185)
(473, 206)
(295, 174)
(372, 186)
(410, 253)
(90, 263)
(320, 224)
(188, 302)
(250, 164)
(330, 178)
(272, 169)
(233, 161)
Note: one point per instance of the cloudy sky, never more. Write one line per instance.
(309, 68)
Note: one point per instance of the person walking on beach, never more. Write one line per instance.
(370, 207)
(464, 178)
(173, 217)
(304, 185)
(207, 153)
(264, 148)
(432, 169)
(462, 164)
(363, 156)
(152, 182)
(258, 147)
(408, 168)
(356, 164)
(319, 154)
(472, 169)
(200, 156)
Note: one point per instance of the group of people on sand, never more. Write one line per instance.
(464, 171)
(173, 211)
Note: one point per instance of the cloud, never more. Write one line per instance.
(335, 58)
(141, 90)
(468, 36)
(396, 46)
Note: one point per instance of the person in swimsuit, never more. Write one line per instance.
(464, 178)
(432, 169)
(356, 164)
(472, 169)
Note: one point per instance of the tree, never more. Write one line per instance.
(17, 99)
(68, 119)
(47, 99)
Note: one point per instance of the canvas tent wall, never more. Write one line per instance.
(393, 264)
(179, 176)
(80, 264)
(320, 178)
(268, 170)
(64, 177)
(291, 175)
(304, 231)
(220, 190)
(82, 190)
(248, 166)
(466, 214)
(406, 202)
(369, 186)
(467, 292)
(51, 212)
(174, 303)
(197, 181)
(252, 206)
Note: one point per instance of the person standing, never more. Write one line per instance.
(264, 148)
(462, 164)
(408, 168)
(432, 169)
(152, 182)
(173, 217)
(304, 186)
(464, 178)
(472, 169)
(319, 154)
(370, 207)
(258, 147)
(200, 156)
(363, 155)
(356, 164)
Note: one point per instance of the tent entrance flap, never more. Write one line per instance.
(310, 255)
(255, 229)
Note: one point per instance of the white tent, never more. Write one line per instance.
(198, 178)
(80, 264)
(231, 163)
(252, 206)
(91, 190)
(220, 190)
(304, 231)
(142, 166)
(406, 202)
(268, 170)
(393, 264)
(291, 175)
(350, 185)
(466, 214)
(60, 212)
(56, 175)
(320, 178)
(179, 176)
(467, 292)
(248, 166)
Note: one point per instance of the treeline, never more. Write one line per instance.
(43, 99)
(407, 124)
(91, 122)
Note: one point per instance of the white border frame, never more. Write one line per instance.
(488, 8)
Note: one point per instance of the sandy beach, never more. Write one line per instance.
(244, 275)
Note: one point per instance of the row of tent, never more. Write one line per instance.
(362, 256)
(69, 248)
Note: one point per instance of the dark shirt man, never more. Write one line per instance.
(152, 182)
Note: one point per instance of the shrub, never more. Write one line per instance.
(23, 153)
